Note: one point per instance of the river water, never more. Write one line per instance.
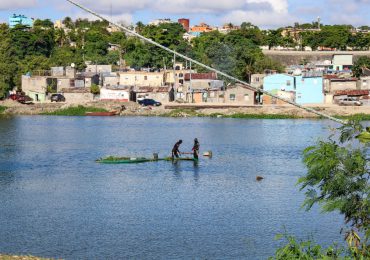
(55, 201)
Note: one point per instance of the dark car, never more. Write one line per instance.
(57, 98)
(149, 102)
(21, 98)
(24, 99)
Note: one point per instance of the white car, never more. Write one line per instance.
(349, 102)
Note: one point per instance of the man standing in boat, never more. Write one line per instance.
(175, 149)
(195, 149)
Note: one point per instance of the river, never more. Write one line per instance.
(57, 202)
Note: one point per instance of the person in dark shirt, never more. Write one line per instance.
(175, 149)
(196, 149)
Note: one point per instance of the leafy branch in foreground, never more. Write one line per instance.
(338, 180)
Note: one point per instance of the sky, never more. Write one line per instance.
(266, 14)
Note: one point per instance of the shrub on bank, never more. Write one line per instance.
(74, 111)
(2, 109)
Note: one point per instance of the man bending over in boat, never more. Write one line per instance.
(175, 149)
(196, 149)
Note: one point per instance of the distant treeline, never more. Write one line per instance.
(25, 49)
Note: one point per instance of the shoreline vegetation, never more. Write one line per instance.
(2, 109)
(80, 110)
(74, 111)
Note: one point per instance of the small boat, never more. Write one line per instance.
(119, 160)
(111, 113)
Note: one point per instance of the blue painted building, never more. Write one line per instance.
(20, 19)
(308, 88)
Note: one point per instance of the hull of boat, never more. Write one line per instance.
(121, 160)
(113, 113)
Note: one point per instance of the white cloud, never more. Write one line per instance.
(125, 18)
(16, 4)
(264, 19)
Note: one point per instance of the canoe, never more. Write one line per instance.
(118, 160)
(111, 113)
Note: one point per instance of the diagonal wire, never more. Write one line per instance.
(132, 32)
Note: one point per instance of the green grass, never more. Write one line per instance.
(2, 109)
(74, 111)
(194, 113)
(360, 117)
(256, 116)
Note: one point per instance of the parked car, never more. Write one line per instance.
(24, 99)
(149, 102)
(21, 98)
(349, 102)
(57, 98)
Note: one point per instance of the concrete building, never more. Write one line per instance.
(185, 23)
(176, 75)
(160, 94)
(141, 78)
(160, 21)
(119, 93)
(20, 20)
(99, 69)
(342, 62)
(303, 89)
(201, 28)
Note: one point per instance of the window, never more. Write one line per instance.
(232, 97)
(246, 97)
(145, 77)
(288, 82)
(181, 75)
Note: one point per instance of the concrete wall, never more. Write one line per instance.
(276, 82)
(78, 97)
(342, 85)
(239, 95)
(35, 84)
(309, 90)
(288, 58)
(114, 94)
(142, 79)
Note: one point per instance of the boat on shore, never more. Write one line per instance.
(110, 113)
(120, 160)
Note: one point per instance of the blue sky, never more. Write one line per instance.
(264, 13)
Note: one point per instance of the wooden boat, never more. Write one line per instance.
(111, 113)
(119, 160)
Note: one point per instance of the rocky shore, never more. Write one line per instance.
(187, 110)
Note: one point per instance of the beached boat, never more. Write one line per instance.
(111, 113)
(118, 160)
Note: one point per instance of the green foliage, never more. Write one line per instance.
(75, 111)
(95, 89)
(305, 250)
(2, 109)
(362, 62)
(338, 180)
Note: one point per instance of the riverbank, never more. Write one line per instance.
(9, 107)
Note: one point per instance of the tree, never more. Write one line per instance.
(362, 62)
(338, 179)
(43, 23)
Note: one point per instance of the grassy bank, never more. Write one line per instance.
(361, 117)
(194, 113)
(74, 111)
(2, 109)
